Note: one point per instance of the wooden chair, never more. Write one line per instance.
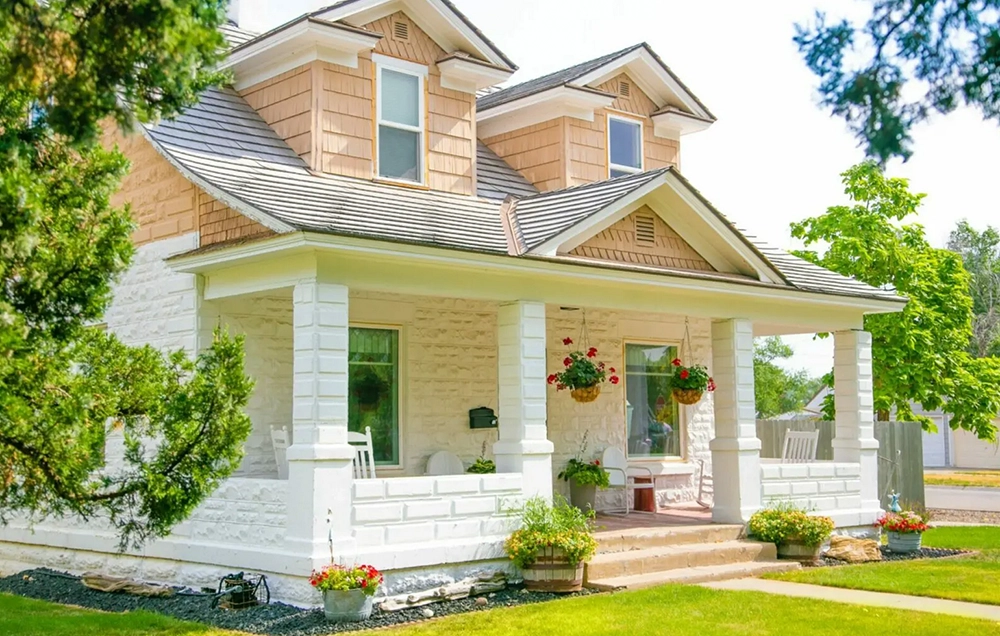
(364, 458)
(280, 441)
(617, 467)
(800, 447)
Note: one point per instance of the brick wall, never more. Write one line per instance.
(819, 486)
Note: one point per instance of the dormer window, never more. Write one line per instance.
(400, 113)
(624, 146)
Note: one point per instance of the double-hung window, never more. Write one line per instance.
(652, 420)
(624, 146)
(400, 112)
(373, 389)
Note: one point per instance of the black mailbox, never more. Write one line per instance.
(482, 417)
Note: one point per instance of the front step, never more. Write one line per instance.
(675, 557)
(690, 576)
(645, 538)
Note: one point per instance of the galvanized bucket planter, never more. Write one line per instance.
(551, 572)
(904, 542)
(346, 606)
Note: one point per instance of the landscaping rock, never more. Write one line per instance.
(853, 550)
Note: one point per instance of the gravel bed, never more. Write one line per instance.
(887, 555)
(276, 619)
(965, 516)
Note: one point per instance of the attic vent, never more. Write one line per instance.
(624, 88)
(645, 230)
(401, 31)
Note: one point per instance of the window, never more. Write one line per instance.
(373, 389)
(624, 146)
(651, 416)
(400, 120)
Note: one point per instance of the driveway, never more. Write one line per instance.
(951, 498)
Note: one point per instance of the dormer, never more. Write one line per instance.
(375, 89)
(619, 114)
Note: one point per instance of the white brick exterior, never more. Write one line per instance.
(828, 488)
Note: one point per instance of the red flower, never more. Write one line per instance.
(552, 378)
(560, 386)
(567, 341)
(313, 582)
(613, 379)
(612, 369)
(591, 352)
(597, 462)
(568, 361)
(600, 365)
(711, 384)
(676, 362)
(684, 374)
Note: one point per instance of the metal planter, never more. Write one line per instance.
(346, 606)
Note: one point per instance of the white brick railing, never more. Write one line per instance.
(247, 512)
(828, 488)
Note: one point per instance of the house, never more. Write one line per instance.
(399, 251)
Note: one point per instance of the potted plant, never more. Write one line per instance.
(482, 466)
(797, 534)
(552, 545)
(582, 375)
(688, 384)
(584, 478)
(347, 591)
(905, 530)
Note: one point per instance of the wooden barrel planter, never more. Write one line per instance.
(687, 396)
(586, 394)
(552, 572)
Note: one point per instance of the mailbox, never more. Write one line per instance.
(482, 417)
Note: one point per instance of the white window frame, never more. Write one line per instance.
(682, 422)
(419, 71)
(642, 145)
(400, 391)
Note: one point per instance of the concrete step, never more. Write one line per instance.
(644, 538)
(693, 575)
(676, 557)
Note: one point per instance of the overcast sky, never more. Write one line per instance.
(774, 156)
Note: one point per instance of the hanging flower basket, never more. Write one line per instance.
(688, 384)
(581, 375)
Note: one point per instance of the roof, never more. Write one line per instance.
(225, 147)
(236, 36)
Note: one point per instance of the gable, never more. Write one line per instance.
(416, 46)
(630, 100)
(656, 244)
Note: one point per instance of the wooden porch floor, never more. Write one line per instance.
(686, 515)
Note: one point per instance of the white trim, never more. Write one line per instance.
(469, 76)
(673, 124)
(642, 149)
(560, 101)
(420, 72)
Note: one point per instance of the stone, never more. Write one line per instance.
(853, 550)
(427, 613)
(481, 601)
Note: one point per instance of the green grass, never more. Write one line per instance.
(977, 479)
(973, 579)
(28, 617)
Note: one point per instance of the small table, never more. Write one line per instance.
(645, 498)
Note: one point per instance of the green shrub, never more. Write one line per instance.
(557, 525)
(786, 522)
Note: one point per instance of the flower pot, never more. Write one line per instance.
(586, 394)
(346, 606)
(551, 572)
(686, 396)
(798, 551)
(583, 496)
(904, 541)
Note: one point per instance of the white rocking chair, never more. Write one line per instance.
(800, 447)
(280, 441)
(706, 486)
(617, 467)
(364, 458)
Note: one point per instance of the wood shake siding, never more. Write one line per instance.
(537, 152)
(346, 107)
(285, 102)
(618, 243)
(218, 222)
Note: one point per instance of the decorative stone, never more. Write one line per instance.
(427, 612)
(853, 550)
(481, 601)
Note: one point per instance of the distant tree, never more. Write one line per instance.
(910, 59)
(779, 391)
(921, 353)
(67, 66)
(980, 253)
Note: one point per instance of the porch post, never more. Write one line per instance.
(855, 404)
(320, 473)
(523, 446)
(735, 448)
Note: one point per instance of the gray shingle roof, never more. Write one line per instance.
(236, 36)
(496, 179)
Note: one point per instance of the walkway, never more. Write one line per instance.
(957, 498)
(859, 597)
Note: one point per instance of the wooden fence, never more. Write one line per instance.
(900, 453)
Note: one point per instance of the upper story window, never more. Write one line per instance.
(624, 146)
(400, 113)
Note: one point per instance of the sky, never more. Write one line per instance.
(774, 156)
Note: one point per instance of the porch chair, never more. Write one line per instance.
(617, 468)
(444, 463)
(706, 486)
(280, 443)
(364, 458)
(800, 447)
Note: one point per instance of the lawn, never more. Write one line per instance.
(971, 578)
(674, 610)
(977, 479)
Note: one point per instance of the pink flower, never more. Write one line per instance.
(567, 341)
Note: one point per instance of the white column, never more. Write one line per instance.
(524, 446)
(320, 470)
(855, 404)
(735, 448)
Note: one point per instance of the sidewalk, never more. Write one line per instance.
(859, 597)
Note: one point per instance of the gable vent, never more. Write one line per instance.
(401, 31)
(625, 88)
(645, 230)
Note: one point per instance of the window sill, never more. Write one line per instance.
(661, 468)
(402, 183)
